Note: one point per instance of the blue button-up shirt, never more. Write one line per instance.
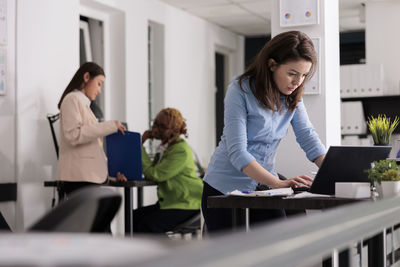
(253, 132)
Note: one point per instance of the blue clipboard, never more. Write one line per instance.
(124, 153)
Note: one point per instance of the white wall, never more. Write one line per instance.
(47, 57)
(8, 117)
(382, 42)
(189, 64)
(190, 43)
(323, 109)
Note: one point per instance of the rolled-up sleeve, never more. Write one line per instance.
(235, 131)
(305, 133)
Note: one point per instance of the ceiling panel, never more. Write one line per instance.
(252, 17)
(218, 11)
(185, 4)
(253, 30)
(261, 8)
(237, 21)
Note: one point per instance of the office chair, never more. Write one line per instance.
(190, 226)
(4, 227)
(90, 209)
(52, 119)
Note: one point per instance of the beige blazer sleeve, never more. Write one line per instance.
(79, 123)
(81, 155)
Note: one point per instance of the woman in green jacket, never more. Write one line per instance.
(173, 168)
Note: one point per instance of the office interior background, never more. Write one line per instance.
(173, 53)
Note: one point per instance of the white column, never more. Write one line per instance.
(324, 108)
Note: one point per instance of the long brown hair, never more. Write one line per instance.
(284, 47)
(78, 82)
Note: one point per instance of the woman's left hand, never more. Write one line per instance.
(298, 181)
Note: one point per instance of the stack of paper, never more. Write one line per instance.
(308, 195)
(265, 193)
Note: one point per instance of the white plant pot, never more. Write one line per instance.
(388, 189)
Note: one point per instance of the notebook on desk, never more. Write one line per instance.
(346, 164)
(124, 154)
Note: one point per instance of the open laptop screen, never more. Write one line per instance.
(346, 164)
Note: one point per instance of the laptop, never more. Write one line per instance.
(124, 154)
(346, 164)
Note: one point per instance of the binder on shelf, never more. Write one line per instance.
(375, 78)
(345, 81)
(362, 71)
(360, 80)
(353, 79)
(124, 155)
(352, 118)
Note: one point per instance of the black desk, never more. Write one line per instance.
(245, 202)
(317, 203)
(128, 197)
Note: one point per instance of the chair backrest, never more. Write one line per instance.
(3, 224)
(200, 172)
(90, 209)
(52, 120)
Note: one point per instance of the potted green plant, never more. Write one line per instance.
(385, 174)
(382, 128)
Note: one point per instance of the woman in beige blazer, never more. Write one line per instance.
(82, 160)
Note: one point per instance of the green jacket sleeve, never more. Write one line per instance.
(172, 163)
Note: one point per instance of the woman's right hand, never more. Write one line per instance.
(120, 127)
(146, 135)
(298, 181)
(121, 177)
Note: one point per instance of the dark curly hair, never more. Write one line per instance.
(176, 123)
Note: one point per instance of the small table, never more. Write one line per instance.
(128, 197)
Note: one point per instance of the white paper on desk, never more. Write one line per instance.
(307, 195)
(240, 193)
(264, 193)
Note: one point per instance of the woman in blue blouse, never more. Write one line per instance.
(259, 106)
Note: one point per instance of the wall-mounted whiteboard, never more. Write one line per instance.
(298, 12)
(312, 87)
(3, 58)
(3, 22)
